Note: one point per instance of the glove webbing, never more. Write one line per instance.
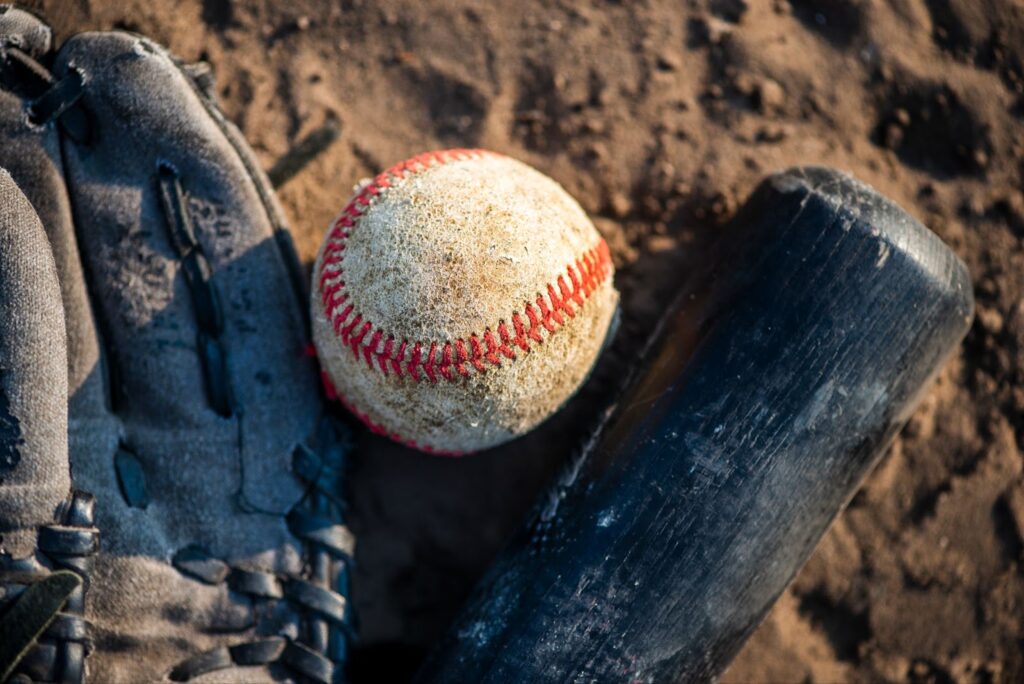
(320, 653)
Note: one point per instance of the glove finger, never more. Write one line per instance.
(176, 229)
(31, 154)
(34, 473)
(24, 31)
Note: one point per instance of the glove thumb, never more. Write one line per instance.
(35, 476)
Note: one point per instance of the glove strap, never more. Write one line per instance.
(43, 632)
(33, 611)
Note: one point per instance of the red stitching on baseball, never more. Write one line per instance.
(331, 392)
(448, 359)
(396, 362)
(474, 343)
(428, 367)
(505, 339)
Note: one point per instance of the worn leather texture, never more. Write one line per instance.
(153, 345)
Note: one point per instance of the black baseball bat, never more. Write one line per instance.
(775, 384)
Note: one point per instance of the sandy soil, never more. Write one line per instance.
(660, 116)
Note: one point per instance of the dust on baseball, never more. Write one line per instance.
(460, 298)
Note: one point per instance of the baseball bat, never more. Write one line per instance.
(776, 382)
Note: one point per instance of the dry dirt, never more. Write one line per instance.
(660, 117)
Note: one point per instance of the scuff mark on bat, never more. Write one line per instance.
(883, 254)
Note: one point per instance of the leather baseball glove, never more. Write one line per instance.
(170, 485)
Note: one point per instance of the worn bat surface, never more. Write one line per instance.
(772, 389)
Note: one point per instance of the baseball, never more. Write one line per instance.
(460, 299)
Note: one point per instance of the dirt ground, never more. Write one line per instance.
(660, 117)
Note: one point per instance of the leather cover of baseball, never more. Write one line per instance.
(460, 299)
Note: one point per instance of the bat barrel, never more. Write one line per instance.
(771, 391)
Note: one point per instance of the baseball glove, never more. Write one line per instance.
(170, 484)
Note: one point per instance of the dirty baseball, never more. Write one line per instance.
(460, 298)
